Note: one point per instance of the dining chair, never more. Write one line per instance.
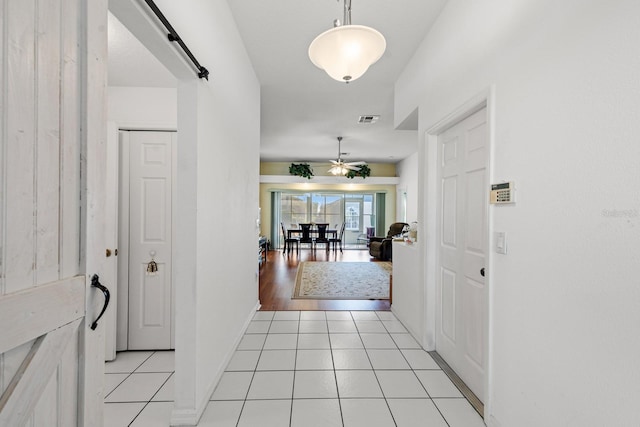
(288, 241)
(322, 236)
(306, 235)
(338, 239)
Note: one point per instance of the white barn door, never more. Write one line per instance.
(461, 294)
(52, 120)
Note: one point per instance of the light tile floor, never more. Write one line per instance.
(301, 369)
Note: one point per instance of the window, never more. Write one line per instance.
(362, 206)
(357, 210)
(327, 208)
(352, 216)
(294, 208)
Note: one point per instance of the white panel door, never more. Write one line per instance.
(150, 194)
(461, 293)
(51, 216)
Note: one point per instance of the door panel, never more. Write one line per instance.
(46, 367)
(448, 302)
(475, 214)
(150, 201)
(473, 304)
(449, 212)
(460, 315)
(154, 195)
(450, 150)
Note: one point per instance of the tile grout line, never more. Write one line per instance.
(335, 374)
(418, 378)
(423, 386)
(376, 375)
(125, 378)
(295, 364)
(457, 381)
(253, 374)
(147, 403)
(160, 388)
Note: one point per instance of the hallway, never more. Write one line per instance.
(302, 368)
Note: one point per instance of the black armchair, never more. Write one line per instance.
(380, 247)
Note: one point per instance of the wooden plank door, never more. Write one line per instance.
(461, 294)
(150, 211)
(52, 117)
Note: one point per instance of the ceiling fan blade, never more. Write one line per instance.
(356, 163)
(350, 167)
(334, 162)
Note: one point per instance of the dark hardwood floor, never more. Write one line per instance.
(278, 275)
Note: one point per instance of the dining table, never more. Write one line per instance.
(331, 232)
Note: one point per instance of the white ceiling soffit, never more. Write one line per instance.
(130, 63)
(303, 109)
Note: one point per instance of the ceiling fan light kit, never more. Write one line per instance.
(340, 167)
(347, 51)
(338, 170)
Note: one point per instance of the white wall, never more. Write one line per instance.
(564, 300)
(226, 128)
(217, 190)
(154, 108)
(407, 171)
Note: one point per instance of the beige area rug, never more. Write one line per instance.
(342, 280)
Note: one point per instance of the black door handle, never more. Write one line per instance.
(482, 271)
(95, 282)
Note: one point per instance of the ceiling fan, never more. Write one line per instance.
(340, 167)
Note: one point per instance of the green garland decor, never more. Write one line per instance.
(364, 172)
(301, 169)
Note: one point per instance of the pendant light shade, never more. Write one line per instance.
(346, 52)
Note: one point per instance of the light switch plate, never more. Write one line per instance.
(500, 242)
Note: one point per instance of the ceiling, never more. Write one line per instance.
(303, 109)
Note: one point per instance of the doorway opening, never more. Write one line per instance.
(146, 293)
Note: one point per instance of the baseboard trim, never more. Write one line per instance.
(184, 418)
(457, 381)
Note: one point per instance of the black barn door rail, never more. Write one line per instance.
(174, 37)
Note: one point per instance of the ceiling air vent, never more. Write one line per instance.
(368, 119)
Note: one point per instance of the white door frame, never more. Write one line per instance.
(116, 319)
(431, 190)
(111, 236)
(123, 231)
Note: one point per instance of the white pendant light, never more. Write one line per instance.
(347, 51)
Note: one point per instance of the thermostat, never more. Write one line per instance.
(502, 193)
